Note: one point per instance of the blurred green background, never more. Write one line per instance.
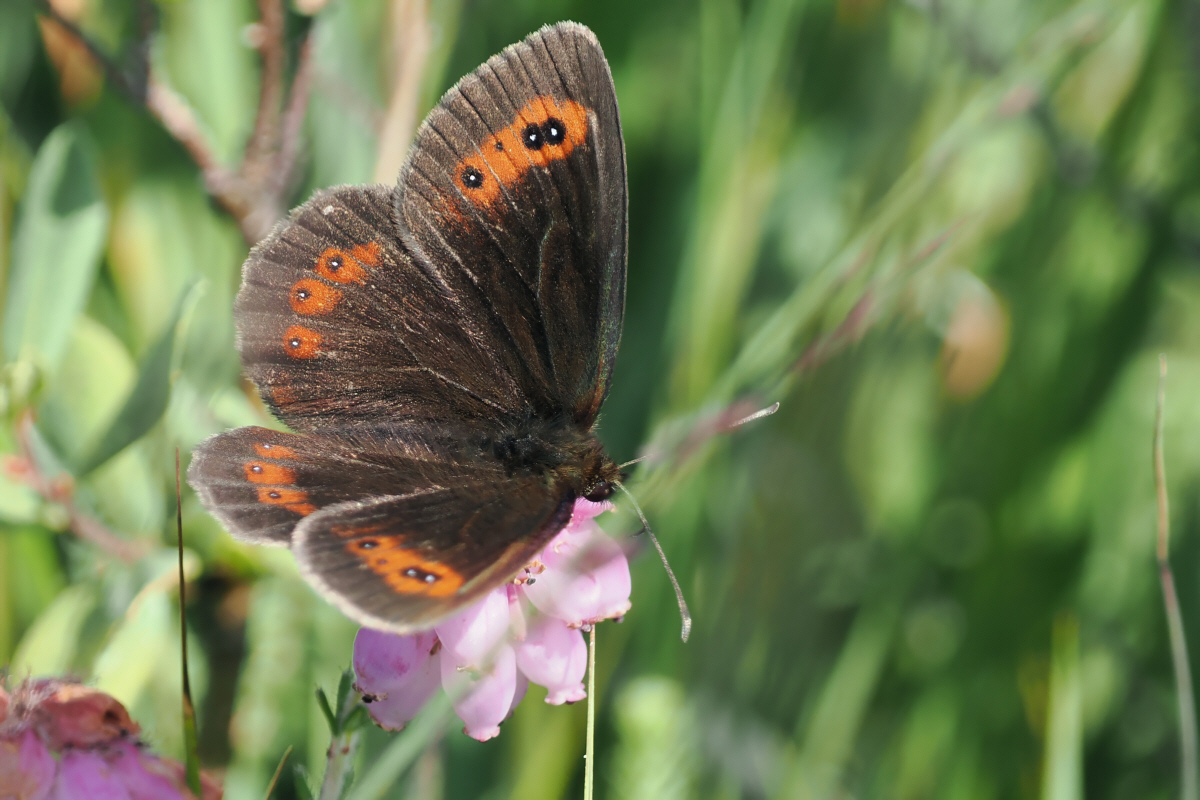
(950, 237)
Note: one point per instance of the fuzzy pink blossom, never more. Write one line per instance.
(26, 767)
(99, 755)
(525, 632)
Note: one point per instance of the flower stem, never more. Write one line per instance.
(1189, 768)
(590, 755)
(339, 762)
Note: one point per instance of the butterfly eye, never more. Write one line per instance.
(554, 131)
(601, 491)
(532, 137)
(472, 178)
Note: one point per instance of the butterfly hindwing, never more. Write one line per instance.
(261, 483)
(404, 562)
(515, 192)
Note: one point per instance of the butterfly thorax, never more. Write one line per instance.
(557, 450)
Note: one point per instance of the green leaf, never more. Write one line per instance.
(330, 717)
(56, 249)
(357, 719)
(343, 694)
(49, 646)
(122, 669)
(303, 790)
(148, 399)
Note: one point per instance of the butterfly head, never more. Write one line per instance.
(601, 491)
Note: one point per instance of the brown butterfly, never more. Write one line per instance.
(441, 347)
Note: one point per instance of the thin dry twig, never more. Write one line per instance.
(60, 490)
(268, 36)
(254, 194)
(1189, 761)
(411, 41)
(293, 120)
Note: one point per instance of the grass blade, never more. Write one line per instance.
(191, 745)
(278, 772)
(147, 401)
(56, 249)
(1188, 759)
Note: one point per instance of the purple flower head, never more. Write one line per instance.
(525, 632)
(99, 758)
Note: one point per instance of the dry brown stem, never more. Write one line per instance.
(254, 194)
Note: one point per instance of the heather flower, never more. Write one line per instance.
(528, 631)
(98, 753)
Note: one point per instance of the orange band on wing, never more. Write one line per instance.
(282, 396)
(291, 499)
(404, 569)
(545, 130)
(274, 451)
(268, 473)
(301, 342)
(366, 254)
(310, 296)
(340, 266)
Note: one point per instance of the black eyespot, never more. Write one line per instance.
(554, 131)
(499, 147)
(420, 575)
(256, 469)
(472, 178)
(293, 343)
(369, 544)
(303, 294)
(273, 495)
(335, 263)
(532, 137)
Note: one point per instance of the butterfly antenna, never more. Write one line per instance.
(764, 412)
(683, 608)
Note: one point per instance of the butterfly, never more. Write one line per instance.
(441, 348)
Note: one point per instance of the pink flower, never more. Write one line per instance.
(396, 674)
(86, 774)
(523, 632)
(100, 757)
(26, 768)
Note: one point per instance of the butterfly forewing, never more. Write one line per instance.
(515, 189)
(338, 324)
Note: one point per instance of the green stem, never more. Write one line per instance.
(339, 762)
(590, 754)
